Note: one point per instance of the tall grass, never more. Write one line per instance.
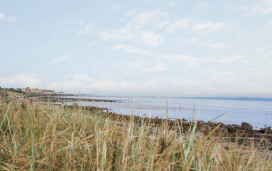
(38, 136)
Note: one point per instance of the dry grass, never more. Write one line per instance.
(38, 136)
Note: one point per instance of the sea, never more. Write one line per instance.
(255, 111)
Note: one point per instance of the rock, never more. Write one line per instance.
(229, 128)
(262, 130)
(246, 126)
(266, 130)
(235, 125)
(184, 120)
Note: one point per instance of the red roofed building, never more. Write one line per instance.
(26, 90)
(35, 90)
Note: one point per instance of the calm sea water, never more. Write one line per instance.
(257, 113)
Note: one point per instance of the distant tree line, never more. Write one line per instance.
(18, 90)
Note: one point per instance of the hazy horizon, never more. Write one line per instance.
(138, 48)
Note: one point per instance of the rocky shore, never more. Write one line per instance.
(244, 128)
(243, 134)
(66, 98)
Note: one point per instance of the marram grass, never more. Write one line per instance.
(42, 136)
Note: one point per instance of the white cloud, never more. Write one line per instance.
(138, 28)
(181, 58)
(60, 59)
(230, 59)
(21, 80)
(206, 44)
(209, 27)
(123, 34)
(148, 28)
(2, 15)
(130, 49)
(155, 19)
(233, 84)
(84, 83)
(197, 25)
(260, 49)
(86, 29)
(264, 51)
(178, 86)
(5, 17)
(130, 34)
(179, 25)
(264, 8)
(141, 66)
(151, 39)
(217, 75)
(155, 68)
(173, 57)
(268, 53)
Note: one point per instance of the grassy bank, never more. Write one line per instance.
(41, 136)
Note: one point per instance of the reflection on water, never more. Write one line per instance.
(257, 113)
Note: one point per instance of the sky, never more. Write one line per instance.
(138, 47)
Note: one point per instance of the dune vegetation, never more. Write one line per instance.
(35, 135)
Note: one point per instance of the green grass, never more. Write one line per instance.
(41, 136)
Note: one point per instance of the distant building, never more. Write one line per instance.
(39, 91)
(26, 90)
(44, 91)
(35, 90)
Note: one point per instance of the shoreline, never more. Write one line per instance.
(60, 99)
(245, 130)
(231, 130)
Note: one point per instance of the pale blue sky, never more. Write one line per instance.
(143, 47)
